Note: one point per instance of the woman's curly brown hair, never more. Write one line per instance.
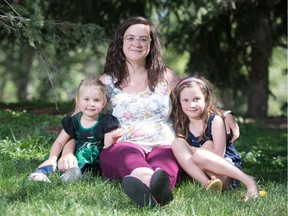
(116, 66)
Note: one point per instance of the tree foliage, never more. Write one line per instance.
(224, 40)
(28, 32)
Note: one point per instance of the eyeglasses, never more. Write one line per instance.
(143, 40)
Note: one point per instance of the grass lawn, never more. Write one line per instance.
(25, 140)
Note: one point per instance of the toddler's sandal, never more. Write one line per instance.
(71, 175)
(38, 177)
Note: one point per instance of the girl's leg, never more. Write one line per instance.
(183, 154)
(210, 162)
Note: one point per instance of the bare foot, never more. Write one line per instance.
(250, 195)
(252, 191)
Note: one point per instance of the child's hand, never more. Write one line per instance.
(67, 161)
(117, 133)
(112, 137)
(49, 162)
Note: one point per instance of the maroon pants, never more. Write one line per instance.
(121, 159)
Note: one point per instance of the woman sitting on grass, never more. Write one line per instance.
(91, 130)
(201, 147)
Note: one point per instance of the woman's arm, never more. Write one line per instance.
(232, 126)
(172, 78)
(102, 78)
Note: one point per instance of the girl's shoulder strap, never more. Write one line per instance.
(209, 124)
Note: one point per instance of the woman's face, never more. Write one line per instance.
(136, 43)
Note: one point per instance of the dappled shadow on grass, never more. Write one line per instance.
(263, 151)
(40, 107)
(264, 157)
(90, 192)
(15, 176)
(98, 196)
(266, 172)
(20, 125)
(228, 202)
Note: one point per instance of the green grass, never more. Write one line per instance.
(25, 140)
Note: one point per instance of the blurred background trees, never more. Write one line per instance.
(47, 47)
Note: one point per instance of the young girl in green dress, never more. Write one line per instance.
(91, 129)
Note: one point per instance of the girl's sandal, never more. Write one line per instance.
(215, 186)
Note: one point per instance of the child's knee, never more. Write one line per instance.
(198, 157)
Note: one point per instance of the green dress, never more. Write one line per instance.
(89, 141)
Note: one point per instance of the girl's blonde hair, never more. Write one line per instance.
(179, 118)
(90, 82)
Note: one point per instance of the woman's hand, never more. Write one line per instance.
(232, 126)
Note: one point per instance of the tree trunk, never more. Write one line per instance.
(23, 78)
(260, 56)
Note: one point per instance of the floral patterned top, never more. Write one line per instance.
(144, 116)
